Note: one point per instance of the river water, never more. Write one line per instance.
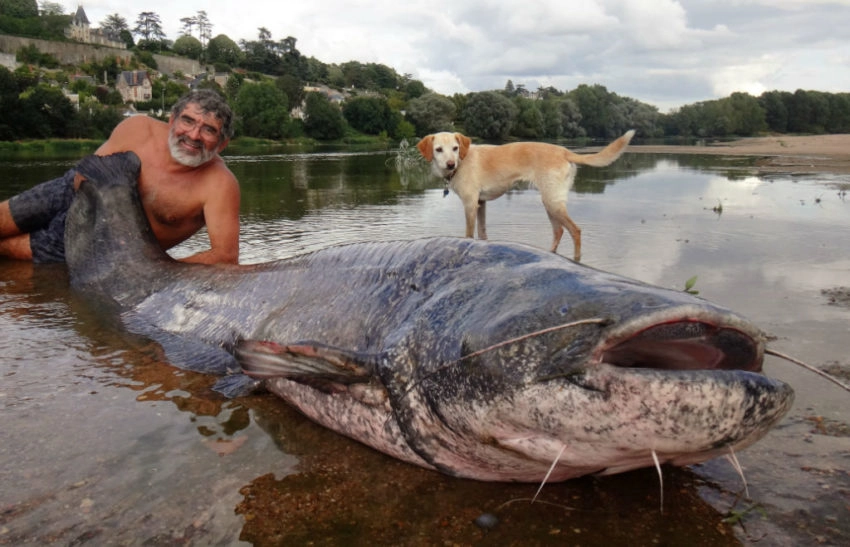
(104, 443)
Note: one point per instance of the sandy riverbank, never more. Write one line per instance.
(782, 153)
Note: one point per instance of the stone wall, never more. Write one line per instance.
(8, 60)
(71, 53)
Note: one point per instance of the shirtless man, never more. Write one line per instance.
(183, 185)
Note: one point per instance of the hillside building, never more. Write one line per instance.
(81, 31)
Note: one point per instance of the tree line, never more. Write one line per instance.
(268, 78)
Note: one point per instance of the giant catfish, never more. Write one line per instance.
(485, 360)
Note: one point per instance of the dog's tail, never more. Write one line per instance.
(606, 156)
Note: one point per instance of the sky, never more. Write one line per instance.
(666, 53)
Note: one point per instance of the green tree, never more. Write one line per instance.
(529, 120)
(47, 111)
(335, 76)
(549, 93)
(270, 57)
(114, 23)
(384, 77)
(292, 87)
(188, 46)
(370, 115)
(553, 119)
(414, 88)
(204, 29)
(164, 93)
(839, 109)
(396, 100)
(594, 104)
(95, 121)
(202, 23)
(489, 115)
(317, 71)
(261, 110)
(116, 26)
(799, 112)
(173, 91)
(234, 83)
(775, 106)
(19, 8)
(633, 114)
(9, 113)
(404, 130)
(324, 120)
(51, 8)
(149, 28)
(222, 49)
(747, 113)
(108, 95)
(431, 113)
(31, 55)
(571, 116)
(819, 112)
(292, 62)
(26, 77)
(370, 76)
(145, 58)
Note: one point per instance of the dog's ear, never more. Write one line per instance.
(426, 147)
(464, 143)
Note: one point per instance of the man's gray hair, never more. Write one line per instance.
(210, 102)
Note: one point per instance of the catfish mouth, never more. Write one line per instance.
(689, 344)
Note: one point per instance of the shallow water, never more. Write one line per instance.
(102, 442)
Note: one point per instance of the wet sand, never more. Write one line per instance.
(778, 153)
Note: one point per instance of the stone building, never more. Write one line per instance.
(81, 31)
(134, 86)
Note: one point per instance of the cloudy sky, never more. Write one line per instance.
(663, 52)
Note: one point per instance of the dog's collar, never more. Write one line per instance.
(447, 179)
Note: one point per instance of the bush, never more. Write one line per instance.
(323, 120)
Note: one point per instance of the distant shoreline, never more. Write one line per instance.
(781, 153)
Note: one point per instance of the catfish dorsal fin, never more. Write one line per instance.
(303, 361)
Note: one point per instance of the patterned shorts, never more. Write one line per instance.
(41, 212)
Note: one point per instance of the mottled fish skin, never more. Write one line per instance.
(478, 359)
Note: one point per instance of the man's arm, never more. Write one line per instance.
(221, 214)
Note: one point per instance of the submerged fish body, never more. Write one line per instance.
(482, 360)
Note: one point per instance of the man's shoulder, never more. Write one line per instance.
(140, 121)
(133, 133)
(225, 174)
(218, 176)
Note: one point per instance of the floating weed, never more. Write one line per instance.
(689, 286)
(718, 208)
(736, 516)
(406, 157)
(408, 162)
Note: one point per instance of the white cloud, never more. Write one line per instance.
(752, 78)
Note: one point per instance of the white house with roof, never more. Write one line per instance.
(134, 86)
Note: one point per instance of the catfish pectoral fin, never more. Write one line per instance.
(236, 385)
(303, 361)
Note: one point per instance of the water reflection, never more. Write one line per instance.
(101, 439)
